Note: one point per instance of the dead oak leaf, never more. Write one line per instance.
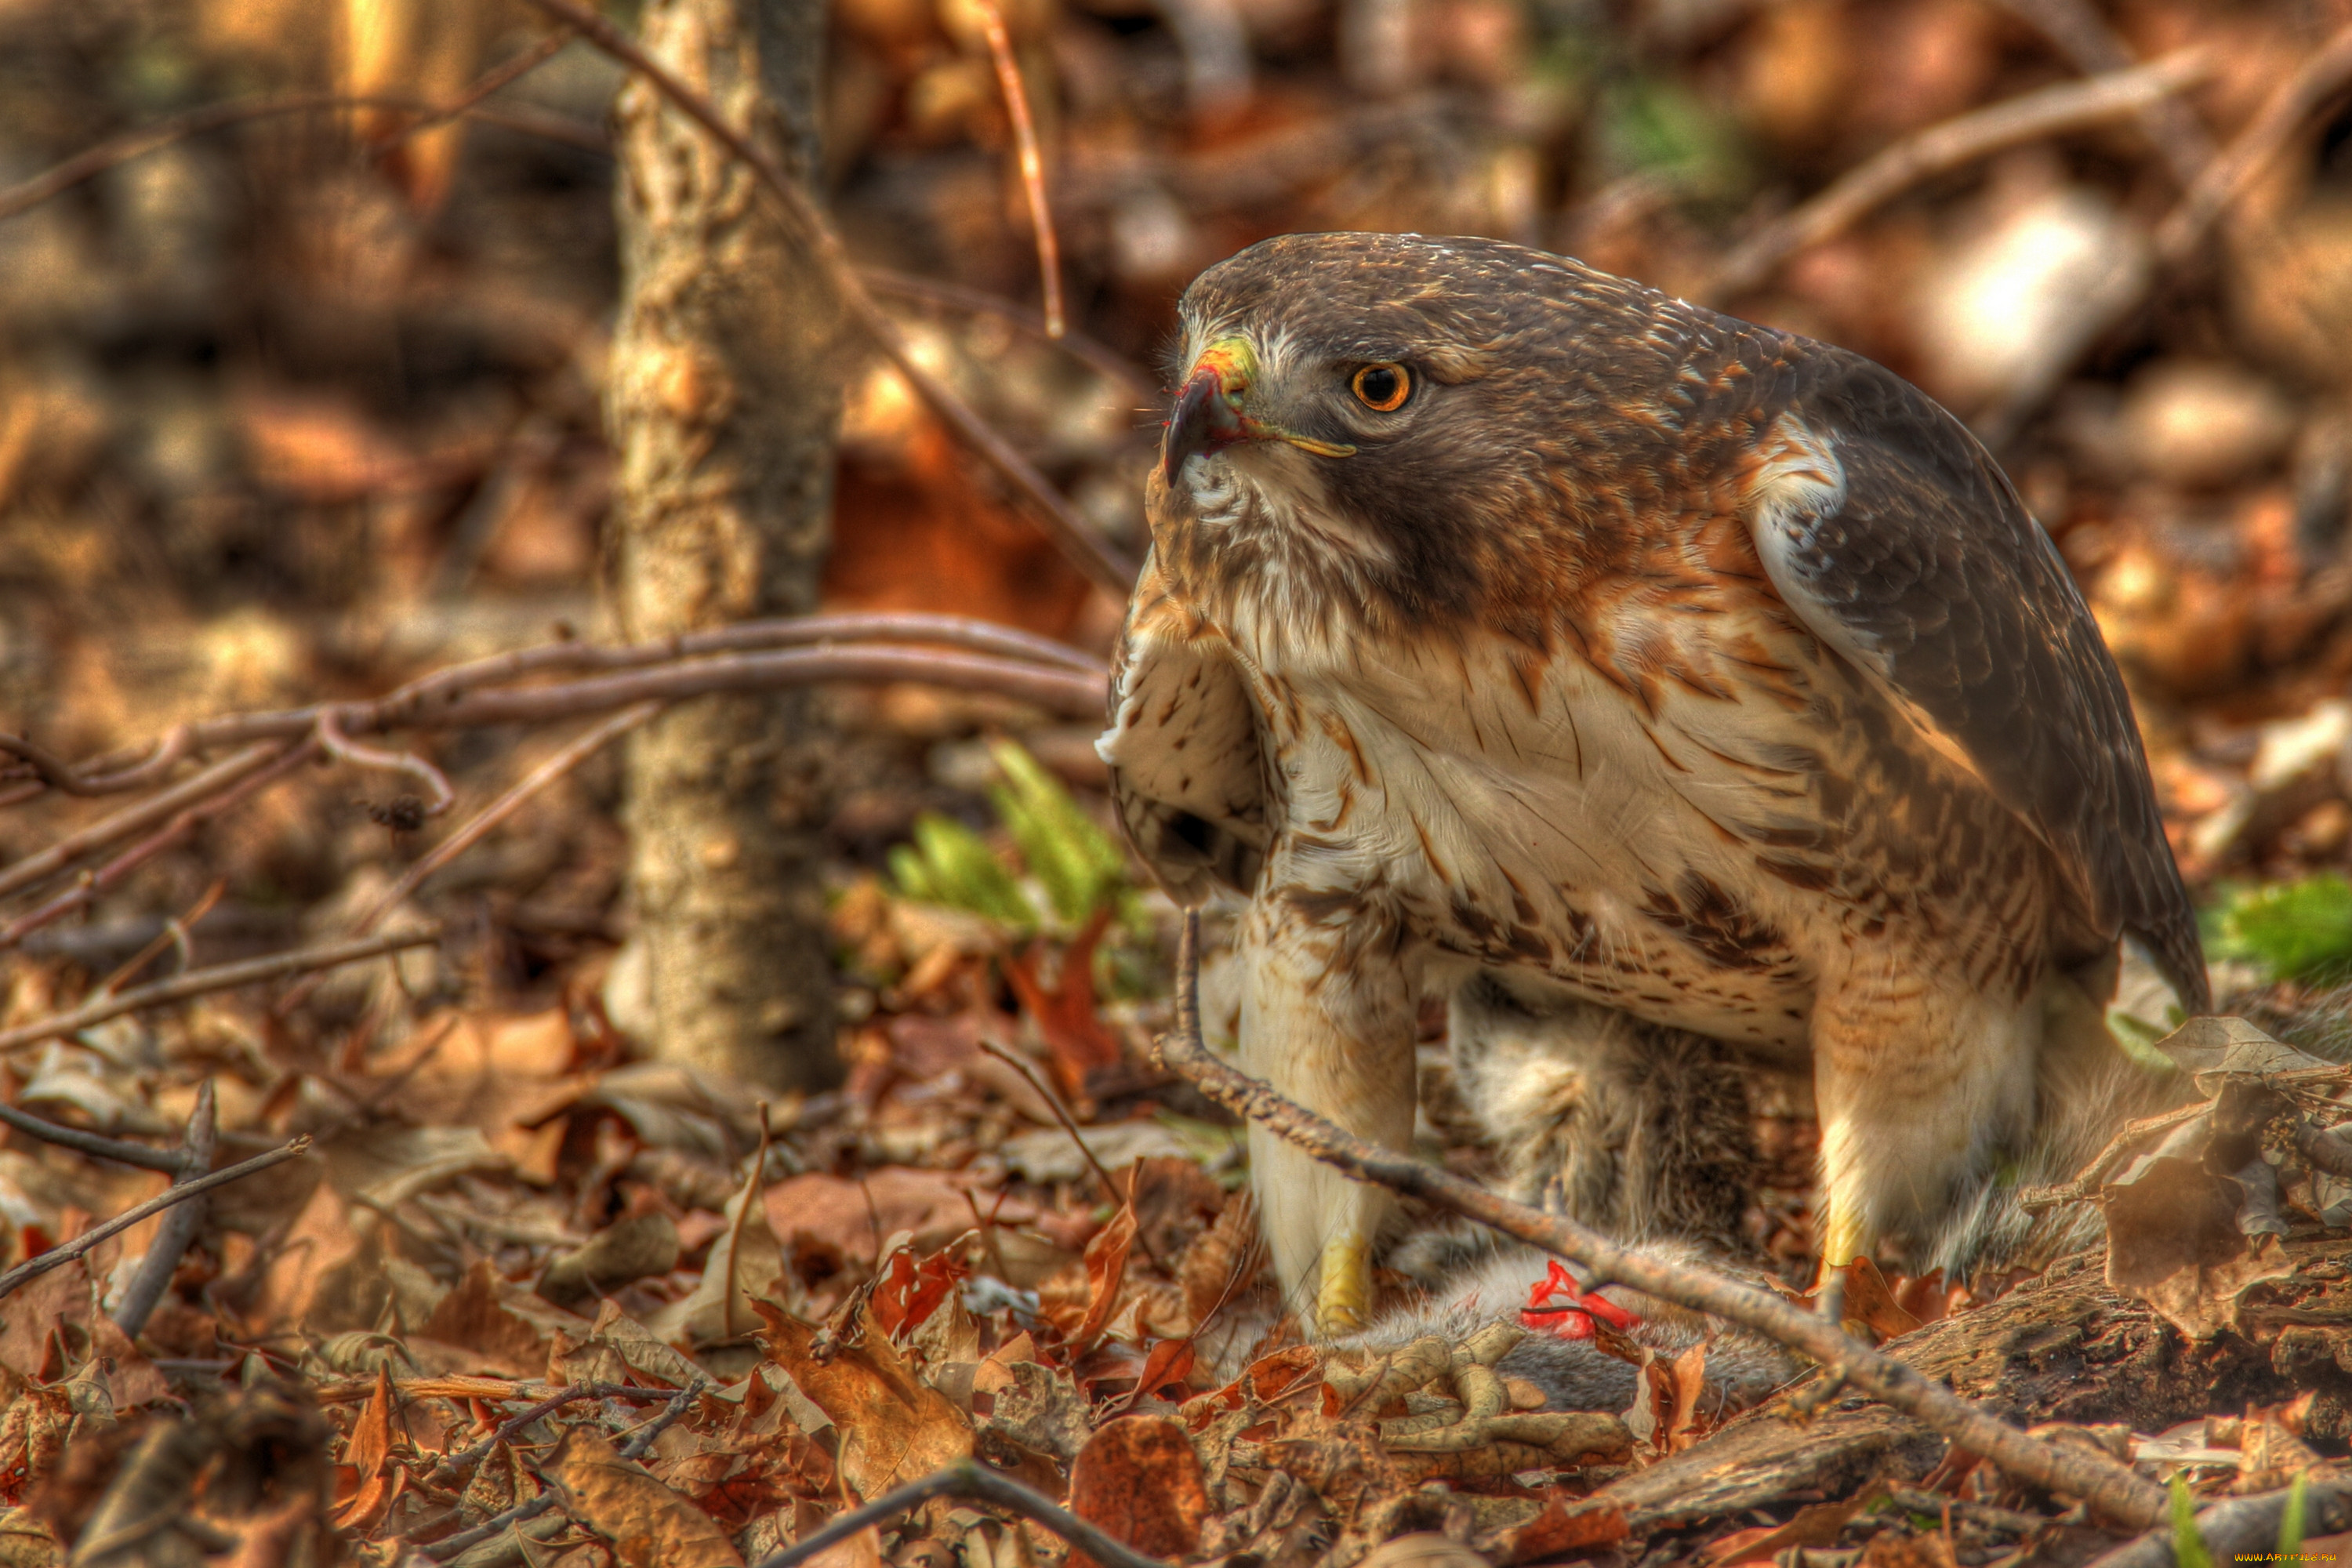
(1138, 1480)
(893, 1427)
(649, 1525)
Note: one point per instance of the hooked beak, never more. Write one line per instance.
(1208, 415)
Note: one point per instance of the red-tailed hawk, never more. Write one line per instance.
(1515, 631)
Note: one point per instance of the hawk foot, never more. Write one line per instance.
(1343, 1296)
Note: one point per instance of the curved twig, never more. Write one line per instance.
(2069, 106)
(2110, 1488)
(966, 1479)
(57, 1256)
(1077, 540)
(343, 748)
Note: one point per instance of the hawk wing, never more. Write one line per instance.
(1897, 540)
(1186, 773)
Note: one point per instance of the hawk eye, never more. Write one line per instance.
(1382, 388)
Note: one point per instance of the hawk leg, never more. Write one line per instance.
(1328, 1019)
(1636, 1128)
(1919, 1085)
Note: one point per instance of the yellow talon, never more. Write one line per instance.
(1343, 1297)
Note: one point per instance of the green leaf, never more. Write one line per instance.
(950, 864)
(2188, 1542)
(2294, 930)
(2290, 1539)
(1078, 865)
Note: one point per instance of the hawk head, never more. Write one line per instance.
(1388, 412)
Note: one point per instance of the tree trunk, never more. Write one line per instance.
(725, 403)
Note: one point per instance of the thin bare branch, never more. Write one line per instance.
(2293, 104)
(473, 831)
(92, 885)
(92, 162)
(504, 74)
(57, 1256)
(1032, 162)
(1100, 358)
(2110, 1488)
(179, 1227)
(175, 934)
(2051, 111)
(217, 977)
(1077, 539)
(39, 867)
(443, 704)
(2092, 47)
(413, 703)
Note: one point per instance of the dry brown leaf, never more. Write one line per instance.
(1815, 1526)
(1893, 1549)
(649, 1525)
(2173, 1241)
(929, 1206)
(1870, 1301)
(619, 1349)
(366, 1453)
(1567, 1527)
(894, 1428)
(1138, 1480)
(503, 1327)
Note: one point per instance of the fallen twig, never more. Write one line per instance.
(170, 1162)
(179, 1227)
(2110, 1488)
(218, 977)
(1077, 540)
(966, 1479)
(57, 1256)
(2291, 106)
(2234, 1530)
(2070, 106)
